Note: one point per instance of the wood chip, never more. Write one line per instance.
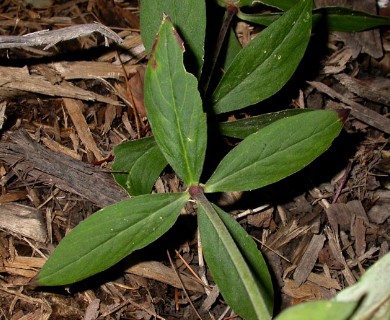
(369, 254)
(261, 219)
(74, 108)
(341, 215)
(29, 158)
(23, 220)
(210, 300)
(91, 70)
(57, 147)
(376, 89)
(335, 248)
(133, 47)
(92, 311)
(337, 61)
(359, 231)
(160, 272)
(128, 127)
(309, 258)
(16, 81)
(380, 212)
(48, 73)
(285, 234)
(324, 281)
(12, 196)
(136, 84)
(3, 106)
(307, 291)
(109, 116)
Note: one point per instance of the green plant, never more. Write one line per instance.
(274, 146)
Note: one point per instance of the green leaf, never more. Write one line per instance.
(174, 106)
(242, 128)
(280, 4)
(189, 18)
(263, 19)
(276, 151)
(109, 235)
(333, 18)
(263, 67)
(347, 20)
(235, 264)
(319, 310)
(374, 290)
(143, 162)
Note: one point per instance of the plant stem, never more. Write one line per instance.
(230, 12)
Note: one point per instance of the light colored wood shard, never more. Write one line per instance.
(74, 108)
(15, 81)
(23, 220)
(91, 70)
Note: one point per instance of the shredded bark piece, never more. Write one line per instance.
(42, 164)
(308, 259)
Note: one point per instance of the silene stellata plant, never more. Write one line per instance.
(180, 109)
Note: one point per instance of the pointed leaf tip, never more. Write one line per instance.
(174, 32)
(180, 42)
(190, 16)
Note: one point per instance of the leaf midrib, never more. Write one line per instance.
(236, 257)
(266, 60)
(239, 171)
(177, 119)
(111, 238)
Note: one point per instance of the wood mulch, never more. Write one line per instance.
(62, 111)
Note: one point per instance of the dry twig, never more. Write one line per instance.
(51, 37)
